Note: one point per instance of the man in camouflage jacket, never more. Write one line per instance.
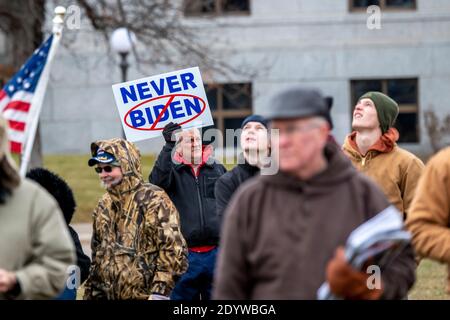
(138, 251)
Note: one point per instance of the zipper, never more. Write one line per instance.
(367, 158)
(202, 223)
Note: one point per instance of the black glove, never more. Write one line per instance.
(169, 130)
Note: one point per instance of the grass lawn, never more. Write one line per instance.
(431, 282)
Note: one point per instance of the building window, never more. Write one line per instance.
(405, 93)
(230, 103)
(216, 7)
(391, 5)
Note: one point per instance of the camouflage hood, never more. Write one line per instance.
(137, 245)
(129, 157)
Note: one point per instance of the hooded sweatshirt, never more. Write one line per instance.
(137, 246)
(395, 170)
(280, 232)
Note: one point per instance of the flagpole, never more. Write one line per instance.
(38, 99)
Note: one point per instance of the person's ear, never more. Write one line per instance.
(325, 130)
(178, 149)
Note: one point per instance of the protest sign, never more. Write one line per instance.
(146, 105)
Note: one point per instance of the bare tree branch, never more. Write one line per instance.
(165, 37)
(21, 20)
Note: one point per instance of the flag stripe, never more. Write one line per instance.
(4, 100)
(15, 135)
(18, 106)
(16, 125)
(15, 147)
(14, 115)
(17, 98)
(23, 96)
(3, 103)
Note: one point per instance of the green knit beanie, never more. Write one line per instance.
(387, 109)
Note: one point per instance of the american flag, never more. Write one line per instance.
(16, 97)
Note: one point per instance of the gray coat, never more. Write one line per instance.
(35, 242)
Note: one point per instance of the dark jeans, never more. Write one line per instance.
(196, 283)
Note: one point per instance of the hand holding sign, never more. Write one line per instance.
(169, 132)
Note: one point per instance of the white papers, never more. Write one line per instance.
(381, 237)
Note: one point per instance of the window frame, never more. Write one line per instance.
(218, 12)
(220, 114)
(403, 107)
(382, 6)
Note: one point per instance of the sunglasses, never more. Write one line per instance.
(106, 168)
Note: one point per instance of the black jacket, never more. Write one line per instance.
(229, 182)
(193, 196)
(83, 261)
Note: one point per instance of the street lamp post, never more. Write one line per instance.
(124, 65)
(122, 41)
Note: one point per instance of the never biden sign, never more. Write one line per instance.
(147, 105)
